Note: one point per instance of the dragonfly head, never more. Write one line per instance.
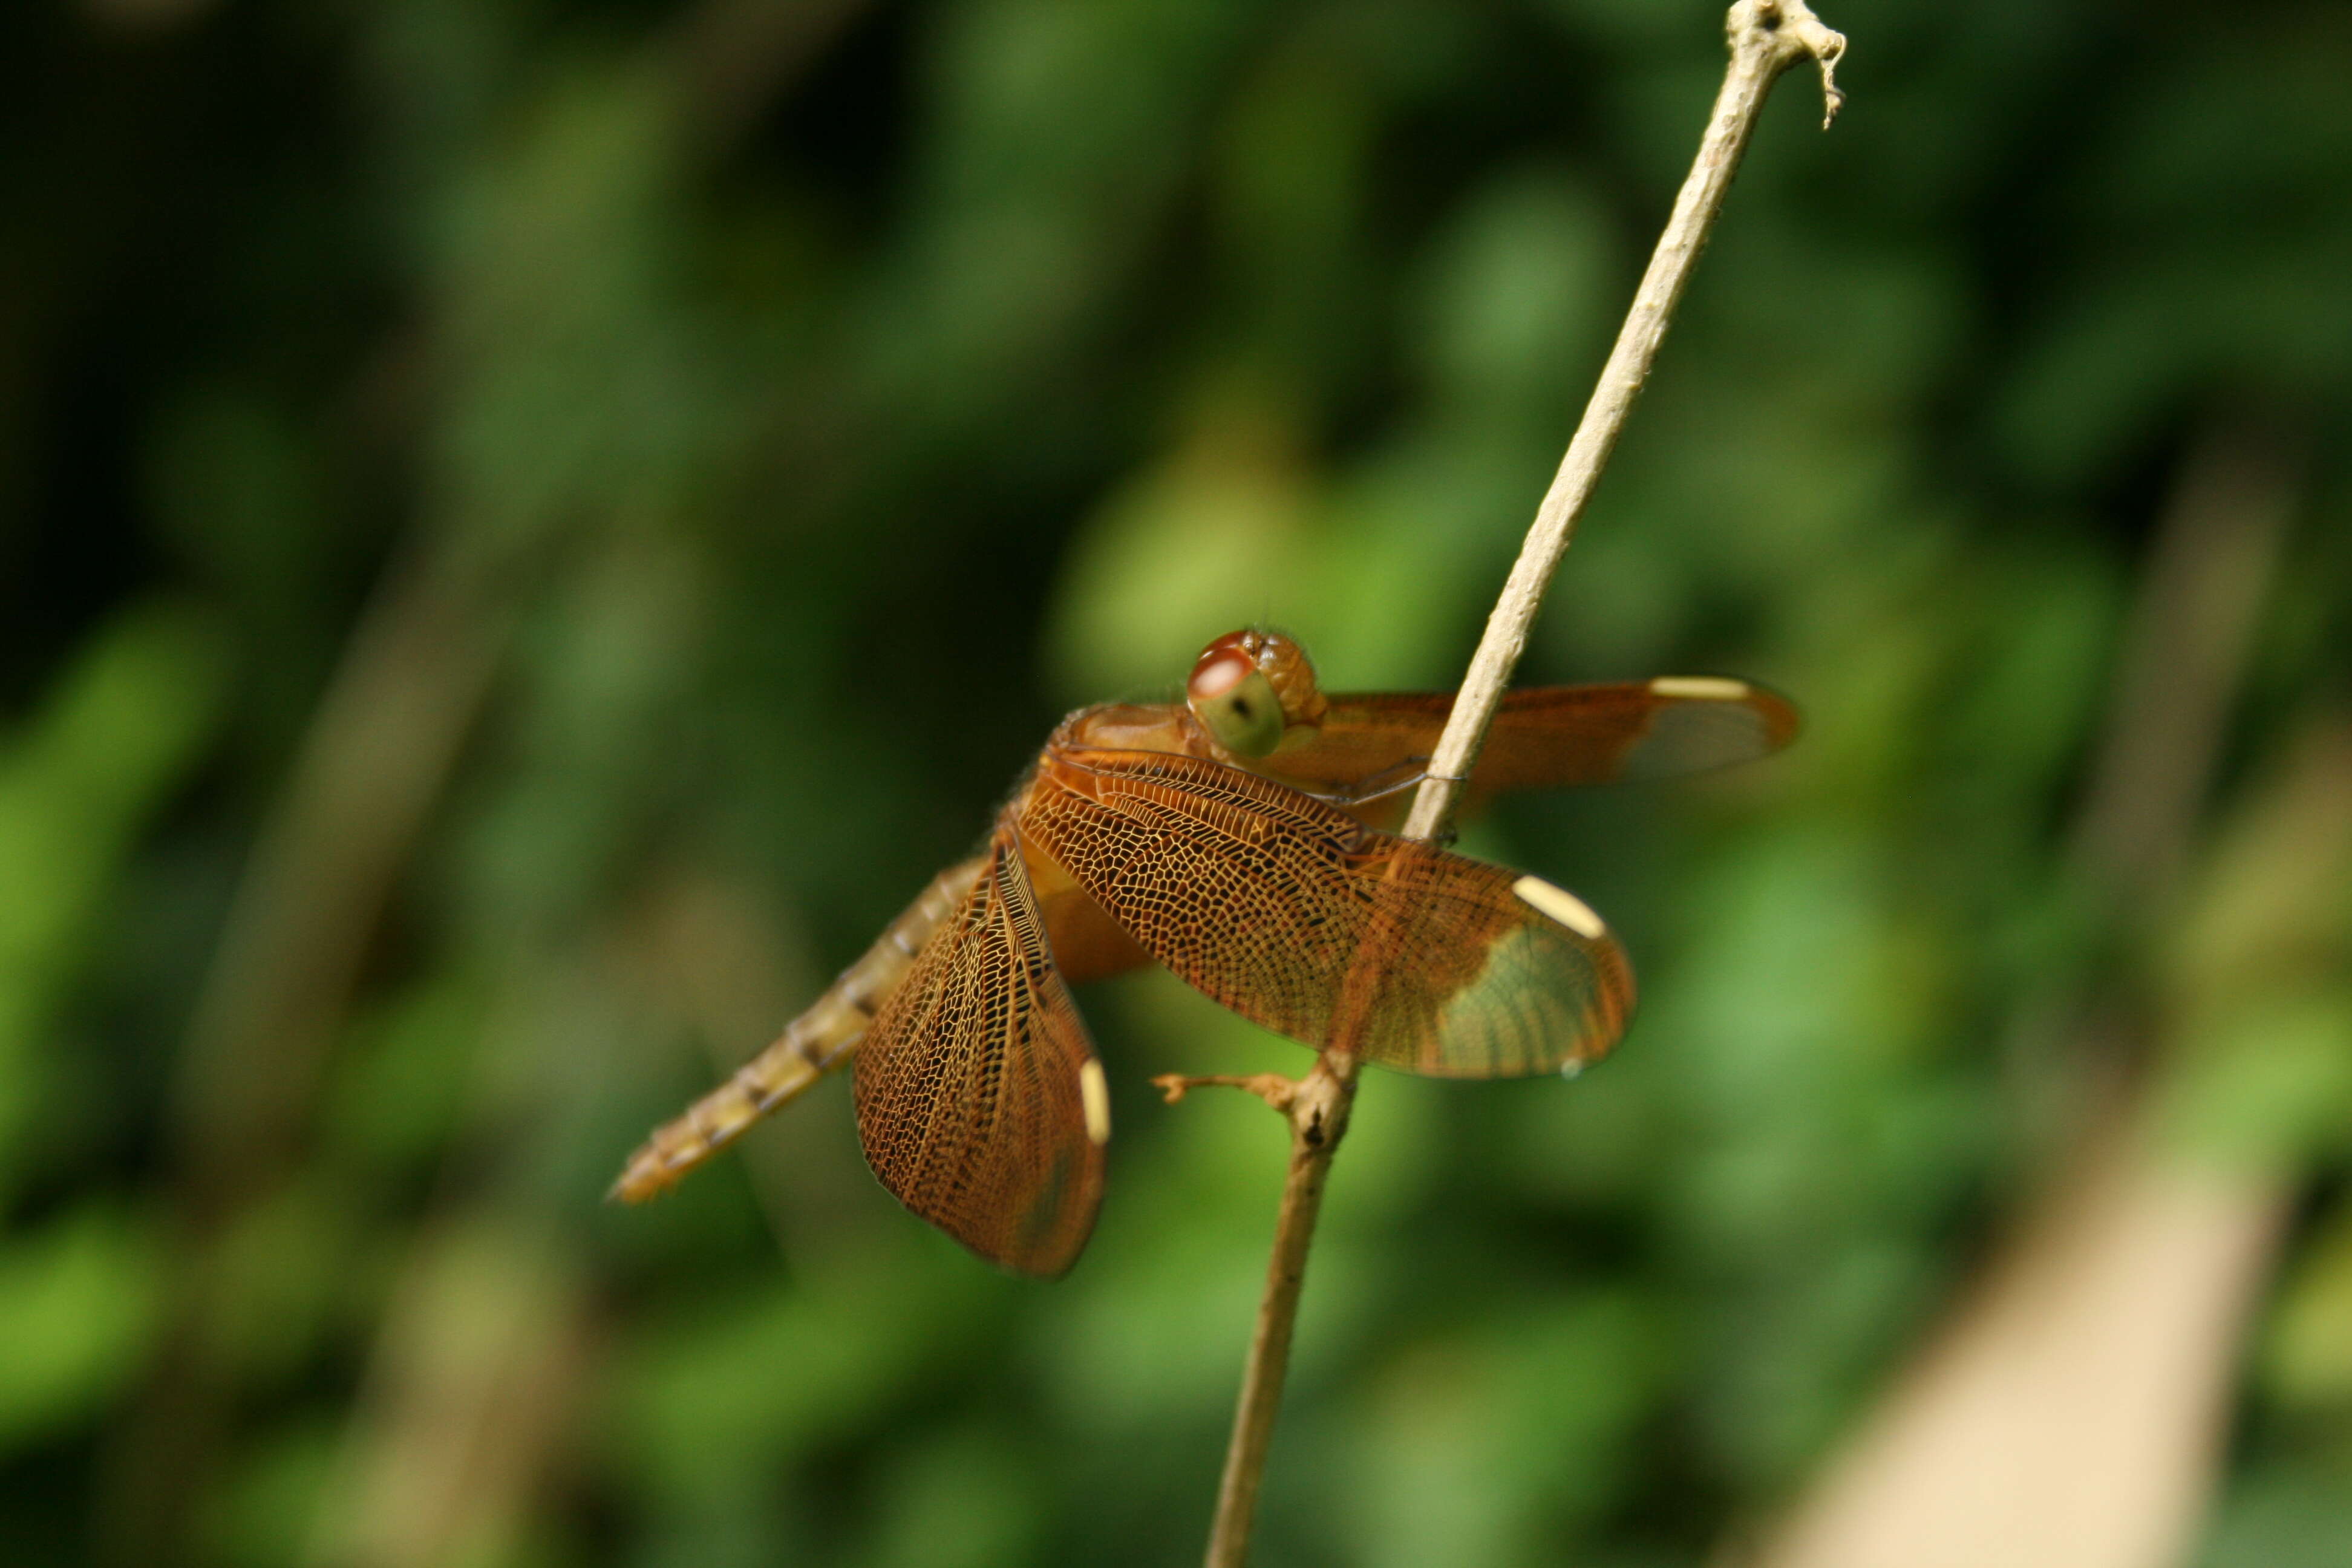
(1253, 690)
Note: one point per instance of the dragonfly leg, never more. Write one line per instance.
(1271, 1086)
(1389, 781)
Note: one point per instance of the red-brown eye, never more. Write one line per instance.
(1219, 671)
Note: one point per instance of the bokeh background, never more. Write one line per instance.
(529, 528)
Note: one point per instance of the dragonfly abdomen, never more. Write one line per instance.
(821, 1039)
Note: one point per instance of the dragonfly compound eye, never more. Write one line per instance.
(1236, 703)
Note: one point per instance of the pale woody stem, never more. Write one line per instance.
(1766, 37)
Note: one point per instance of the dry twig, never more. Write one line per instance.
(1766, 37)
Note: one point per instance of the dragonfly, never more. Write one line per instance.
(1239, 837)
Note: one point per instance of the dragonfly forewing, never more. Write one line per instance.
(1268, 901)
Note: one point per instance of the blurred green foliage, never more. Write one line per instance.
(793, 408)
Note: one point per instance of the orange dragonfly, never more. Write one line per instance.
(1236, 837)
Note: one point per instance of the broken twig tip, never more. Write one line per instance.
(1785, 31)
(1832, 98)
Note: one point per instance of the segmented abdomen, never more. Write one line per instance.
(811, 1045)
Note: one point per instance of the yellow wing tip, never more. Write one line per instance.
(1096, 1094)
(1560, 905)
(1702, 687)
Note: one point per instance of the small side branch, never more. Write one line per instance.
(1271, 1086)
(1766, 37)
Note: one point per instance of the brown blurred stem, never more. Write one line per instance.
(1765, 37)
(376, 758)
(2177, 679)
(375, 763)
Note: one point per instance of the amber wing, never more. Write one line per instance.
(1263, 897)
(1552, 736)
(980, 1101)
